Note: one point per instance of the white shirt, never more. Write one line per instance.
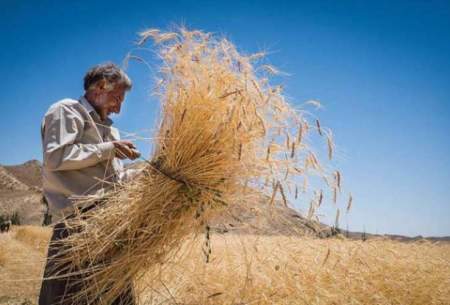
(78, 153)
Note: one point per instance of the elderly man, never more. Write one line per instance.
(81, 153)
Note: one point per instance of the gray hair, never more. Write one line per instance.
(111, 73)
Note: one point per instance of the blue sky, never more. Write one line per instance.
(381, 69)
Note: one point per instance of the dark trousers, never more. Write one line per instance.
(59, 291)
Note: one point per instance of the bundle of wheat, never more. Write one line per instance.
(225, 132)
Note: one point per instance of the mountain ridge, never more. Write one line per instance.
(21, 191)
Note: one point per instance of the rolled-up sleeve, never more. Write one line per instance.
(61, 130)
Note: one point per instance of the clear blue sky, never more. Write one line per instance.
(381, 68)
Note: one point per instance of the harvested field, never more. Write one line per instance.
(260, 269)
(22, 255)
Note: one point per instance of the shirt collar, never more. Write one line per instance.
(93, 112)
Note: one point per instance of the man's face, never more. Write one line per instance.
(108, 102)
(114, 100)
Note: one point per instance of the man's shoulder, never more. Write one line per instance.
(66, 104)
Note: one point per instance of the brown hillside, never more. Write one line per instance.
(29, 173)
(20, 192)
(26, 203)
(25, 179)
(265, 219)
(9, 183)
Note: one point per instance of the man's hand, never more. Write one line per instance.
(126, 149)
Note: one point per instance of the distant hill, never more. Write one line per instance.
(10, 183)
(21, 188)
(21, 191)
(29, 173)
(264, 219)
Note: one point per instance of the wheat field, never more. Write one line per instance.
(260, 269)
